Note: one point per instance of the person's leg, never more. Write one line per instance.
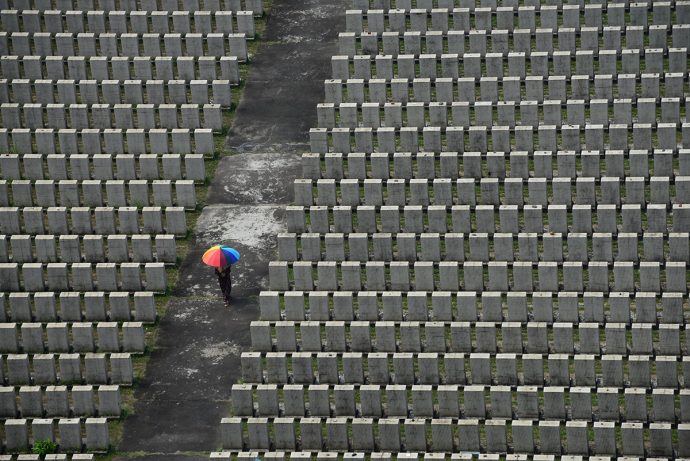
(220, 285)
(227, 288)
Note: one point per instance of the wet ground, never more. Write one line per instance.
(186, 389)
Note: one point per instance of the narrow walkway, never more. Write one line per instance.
(186, 390)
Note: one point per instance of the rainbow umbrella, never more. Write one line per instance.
(220, 256)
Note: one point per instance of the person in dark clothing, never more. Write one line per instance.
(225, 282)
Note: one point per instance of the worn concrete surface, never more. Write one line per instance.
(251, 229)
(246, 179)
(186, 389)
(287, 76)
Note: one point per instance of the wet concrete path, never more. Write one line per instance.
(186, 389)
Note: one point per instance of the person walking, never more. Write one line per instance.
(225, 283)
(221, 259)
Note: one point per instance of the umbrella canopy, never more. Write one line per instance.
(220, 256)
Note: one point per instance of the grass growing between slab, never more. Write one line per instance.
(140, 362)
